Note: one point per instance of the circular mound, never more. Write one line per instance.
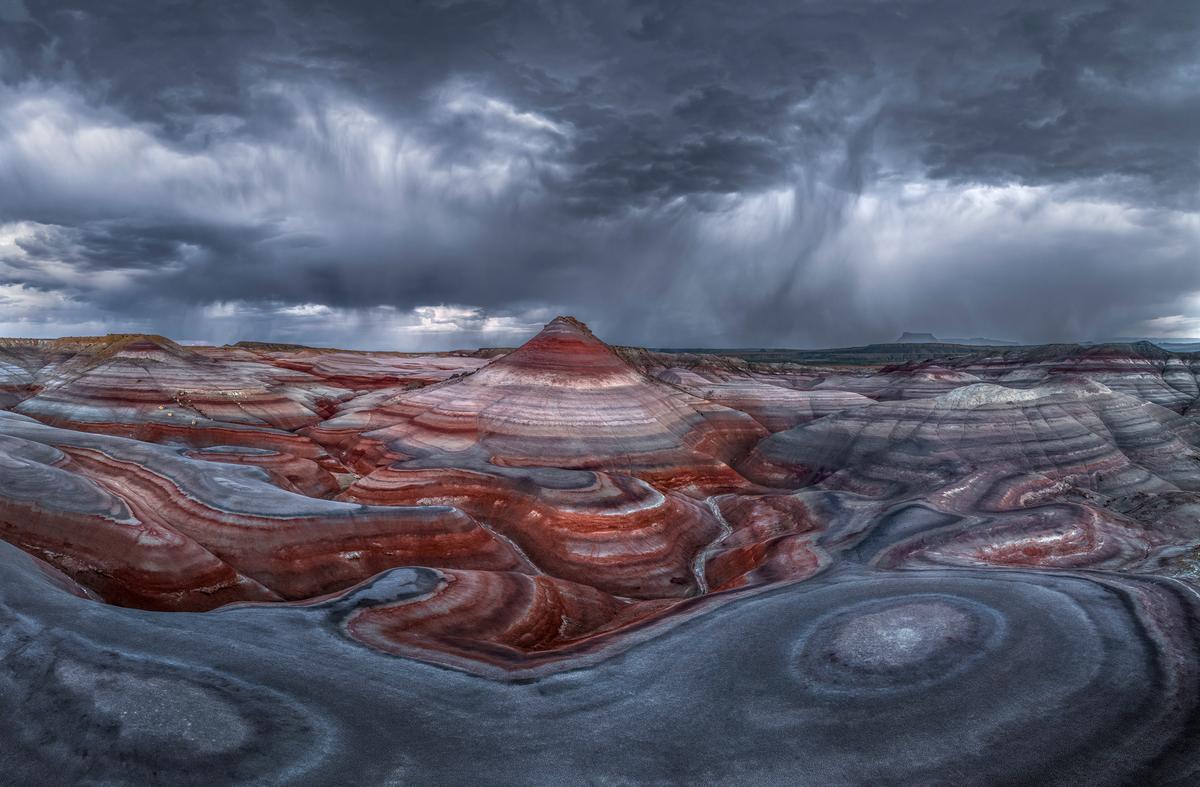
(898, 643)
(153, 720)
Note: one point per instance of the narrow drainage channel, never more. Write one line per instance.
(702, 556)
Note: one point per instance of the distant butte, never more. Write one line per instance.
(916, 338)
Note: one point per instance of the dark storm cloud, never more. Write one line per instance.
(696, 173)
(1092, 92)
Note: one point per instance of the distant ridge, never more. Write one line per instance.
(982, 341)
(1182, 344)
(909, 337)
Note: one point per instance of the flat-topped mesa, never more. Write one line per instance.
(563, 399)
(910, 337)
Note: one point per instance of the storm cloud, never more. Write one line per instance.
(439, 174)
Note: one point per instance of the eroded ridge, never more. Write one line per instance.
(922, 558)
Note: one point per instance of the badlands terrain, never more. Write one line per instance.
(569, 562)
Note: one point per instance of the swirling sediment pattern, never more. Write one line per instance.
(615, 533)
(120, 502)
(552, 565)
(963, 676)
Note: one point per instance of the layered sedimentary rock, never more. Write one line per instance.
(1142, 370)
(1053, 535)
(563, 399)
(52, 510)
(770, 401)
(613, 532)
(285, 470)
(18, 366)
(919, 578)
(1049, 477)
(506, 615)
(135, 379)
(771, 538)
(1082, 433)
(963, 676)
(367, 371)
(148, 525)
(909, 381)
(151, 389)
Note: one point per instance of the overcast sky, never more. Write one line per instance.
(425, 175)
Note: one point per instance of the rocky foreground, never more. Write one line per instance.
(575, 563)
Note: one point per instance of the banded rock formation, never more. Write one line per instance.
(369, 371)
(1082, 432)
(986, 475)
(1143, 370)
(148, 525)
(613, 532)
(563, 399)
(920, 577)
(964, 676)
(770, 401)
(151, 389)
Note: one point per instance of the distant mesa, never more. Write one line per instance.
(908, 337)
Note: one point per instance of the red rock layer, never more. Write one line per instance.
(216, 532)
(1059, 535)
(311, 554)
(488, 611)
(771, 539)
(139, 379)
(287, 471)
(150, 389)
(615, 533)
(49, 508)
(495, 622)
(1027, 520)
(563, 399)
